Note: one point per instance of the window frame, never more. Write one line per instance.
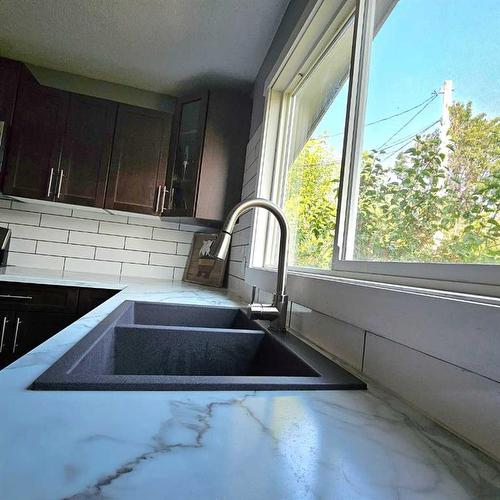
(472, 278)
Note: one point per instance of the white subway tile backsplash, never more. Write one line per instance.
(99, 215)
(237, 269)
(85, 240)
(35, 261)
(172, 235)
(19, 217)
(178, 274)
(151, 221)
(73, 223)
(121, 255)
(183, 248)
(461, 400)
(41, 208)
(150, 245)
(96, 239)
(160, 259)
(197, 229)
(142, 271)
(92, 266)
(39, 233)
(125, 230)
(65, 250)
(26, 246)
(336, 337)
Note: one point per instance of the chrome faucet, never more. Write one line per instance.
(276, 311)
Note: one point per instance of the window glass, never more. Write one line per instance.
(316, 131)
(429, 174)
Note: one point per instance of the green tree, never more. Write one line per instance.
(311, 204)
(423, 207)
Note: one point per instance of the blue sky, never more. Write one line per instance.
(423, 43)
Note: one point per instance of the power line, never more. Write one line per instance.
(434, 94)
(408, 142)
(408, 122)
(410, 136)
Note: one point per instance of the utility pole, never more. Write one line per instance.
(446, 90)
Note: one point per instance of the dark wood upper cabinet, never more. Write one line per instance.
(207, 158)
(35, 143)
(139, 160)
(86, 151)
(9, 80)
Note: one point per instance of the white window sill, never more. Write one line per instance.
(298, 280)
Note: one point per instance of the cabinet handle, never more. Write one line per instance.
(61, 175)
(22, 297)
(4, 324)
(18, 322)
(163, 199)
(170, 198)
(49, 187)
(158, 194)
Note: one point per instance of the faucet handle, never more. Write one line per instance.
(254, 293)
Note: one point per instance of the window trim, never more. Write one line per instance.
(480, 279)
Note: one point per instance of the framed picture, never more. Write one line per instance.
(201, 267)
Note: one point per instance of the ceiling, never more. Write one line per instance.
(165, 46)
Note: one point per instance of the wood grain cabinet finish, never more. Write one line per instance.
(86, 151)
(9, 80)
(35, 144)
(139, 160)
(207, 156)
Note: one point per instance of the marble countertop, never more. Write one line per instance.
(217, 445)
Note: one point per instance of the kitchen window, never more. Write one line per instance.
(386, 159)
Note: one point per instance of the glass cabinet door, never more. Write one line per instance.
(184, 170)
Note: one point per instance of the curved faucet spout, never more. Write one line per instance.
(220, 249)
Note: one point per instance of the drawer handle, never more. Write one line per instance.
(18, 322)
(158, 195)
(4, 324)
(49, 187)
(20, 297)
(164, 191)
(59, 187)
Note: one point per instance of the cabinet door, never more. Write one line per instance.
(138, 160)
(29, 329)
(9, 79)
(186, 155)
(5, 338)
(35, 143)
(86, 151)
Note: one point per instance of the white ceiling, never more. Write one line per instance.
(160, 45)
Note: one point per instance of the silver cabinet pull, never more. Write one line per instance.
(18, 322)
(158, 194)
(171, 198)
(163, 199)
(61, 175)
(49, 187)
(4, 324)
(22, 297)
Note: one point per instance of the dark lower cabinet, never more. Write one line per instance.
(31, 314)
(136, 180)
(35, 141)
(86, 151)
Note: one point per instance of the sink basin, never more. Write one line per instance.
(157, 346)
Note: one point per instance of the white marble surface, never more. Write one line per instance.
(218, 445)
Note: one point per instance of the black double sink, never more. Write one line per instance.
(158, 346)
